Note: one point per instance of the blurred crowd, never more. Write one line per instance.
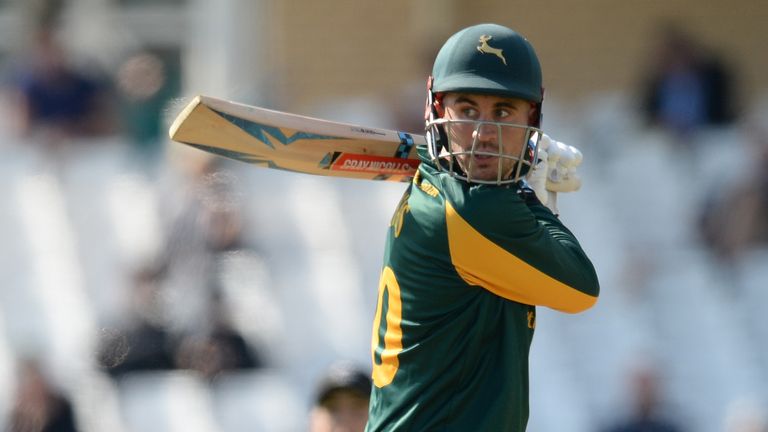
(689, 87)
(60, 102)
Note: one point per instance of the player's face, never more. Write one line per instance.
(467, 139)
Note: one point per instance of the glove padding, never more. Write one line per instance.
(563, 160)
(555, 171)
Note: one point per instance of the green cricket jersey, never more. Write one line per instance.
(464, 267)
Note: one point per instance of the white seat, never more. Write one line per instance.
(166, 402)
(260, 401)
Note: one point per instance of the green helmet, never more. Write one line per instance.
(485, 59)
(488, 58)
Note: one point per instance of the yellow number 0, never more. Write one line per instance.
(384, 372)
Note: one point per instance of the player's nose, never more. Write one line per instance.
(485, 132)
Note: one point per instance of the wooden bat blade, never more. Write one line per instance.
(279, 140)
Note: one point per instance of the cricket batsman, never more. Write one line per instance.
(471, 250)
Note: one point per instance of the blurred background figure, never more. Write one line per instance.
(734, 217)
(144, 86)
(142, 342)
(688, 86)
(56, 98)
(204, 225)
(218, 348)
(648, 411)
(38, 405)
(341, 401)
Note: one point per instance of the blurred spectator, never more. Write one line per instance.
(687, 86)
(735, 219)
(341, 401)
(144, 344)
(144, 87)
(204, 224)
(38, 406)
(646, 415)
(180, 319)
(54, 99)
(218, 349)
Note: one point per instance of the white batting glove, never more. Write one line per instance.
(555, 171)
(563, 160)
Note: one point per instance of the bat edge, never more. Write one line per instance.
(182, 116)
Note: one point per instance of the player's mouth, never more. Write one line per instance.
(484, 159)
(484, 165)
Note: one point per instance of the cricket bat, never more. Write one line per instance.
(291, 142)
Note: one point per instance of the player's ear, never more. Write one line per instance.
(439, 107)
(533, 114)
(434, 106)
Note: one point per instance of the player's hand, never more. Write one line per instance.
(563, 160)
(555, 171)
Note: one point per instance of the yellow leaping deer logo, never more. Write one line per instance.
(487, 49)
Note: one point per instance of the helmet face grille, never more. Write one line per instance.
(481, 151)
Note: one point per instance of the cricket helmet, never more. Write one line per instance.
(485, 59)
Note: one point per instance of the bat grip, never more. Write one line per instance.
(552, 202)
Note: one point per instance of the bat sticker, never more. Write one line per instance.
(375, 164)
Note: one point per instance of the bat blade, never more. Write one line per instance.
(279, 140)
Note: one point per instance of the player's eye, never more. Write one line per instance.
(470, 113)
(502, 113)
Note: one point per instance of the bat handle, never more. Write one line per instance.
(552, 202)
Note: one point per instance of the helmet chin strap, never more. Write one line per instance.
(430, 101)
